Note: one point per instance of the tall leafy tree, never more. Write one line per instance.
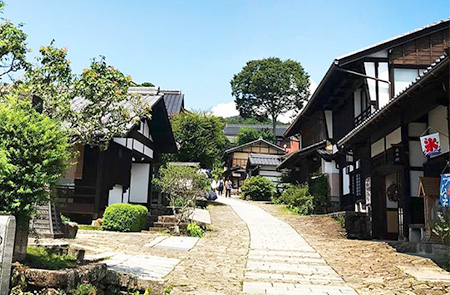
(13, 47)
(248, 134)
(200, 136)
(95, 106)
(270, 87)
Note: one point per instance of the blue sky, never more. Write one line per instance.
(197, 46)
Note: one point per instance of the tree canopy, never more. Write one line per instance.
(247, 134)
(201, 138)
(270, 87)
(94, 106)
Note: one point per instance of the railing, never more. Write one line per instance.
(363, 116)
(77, 199)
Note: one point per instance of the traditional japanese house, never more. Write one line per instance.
(264, 165)
(123, 172)
(236, 159)
(397, 174)
(355, 86)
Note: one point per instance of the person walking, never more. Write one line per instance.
(228, 187)
(220, 187)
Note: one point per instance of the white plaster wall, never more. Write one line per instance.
(345, 182)
(416, 129)
(357, 102)
(370, 71)
(395, 137)
(437, 120)
(140, 175)
(115, 194)
(416, 157)
(383, 88)
(414, 181)
(377, 147)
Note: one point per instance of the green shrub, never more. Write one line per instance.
(85, 289)
(320, 189)
(39, 257)
(258, 188)
(65, 218)
(441, 226)
(125, 217)
(298, 199)
(195, 230)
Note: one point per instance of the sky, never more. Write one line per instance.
(198, 45)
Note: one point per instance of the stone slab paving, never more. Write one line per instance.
(177, 243)
(152, 268)
(280, 261)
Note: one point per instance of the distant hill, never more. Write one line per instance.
(250, 121)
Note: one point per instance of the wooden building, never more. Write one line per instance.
(236, 159)
(122, 173)
(395, 162)
(355, 87)
(264, 165)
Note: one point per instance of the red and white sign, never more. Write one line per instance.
(431, 144)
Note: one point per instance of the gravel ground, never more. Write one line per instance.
(370, 267)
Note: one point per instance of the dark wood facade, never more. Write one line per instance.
(355, 88)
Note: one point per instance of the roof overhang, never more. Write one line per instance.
(422, 86)
(296, 156)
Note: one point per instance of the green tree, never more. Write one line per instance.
(248, 134)
(95, 106)
(35, 153)
(183, 186)
(269, 88)
(200, 138)
(13, 47)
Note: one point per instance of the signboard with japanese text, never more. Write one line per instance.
(431, 144)
(444, 190)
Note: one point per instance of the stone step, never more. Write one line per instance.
(287, 259)
(294, 268)
(293, 278)
(283, 253)
(167, 219)
(295, 289)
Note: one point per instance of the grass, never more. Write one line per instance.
(39, 257)
(89, 227)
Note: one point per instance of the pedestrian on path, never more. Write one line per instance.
(220, 187)
(228, 187)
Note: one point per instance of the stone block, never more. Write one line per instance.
(7, 232)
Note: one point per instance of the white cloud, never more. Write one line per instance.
(226, 110)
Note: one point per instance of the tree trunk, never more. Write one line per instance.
(21, 238)
(274, 126)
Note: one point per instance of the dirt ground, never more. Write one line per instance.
(370, 267)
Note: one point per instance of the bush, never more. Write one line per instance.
(85, 289)
(320, 189)
(195, 230)
(39, 257)
(125, 217)
(258, 188)
(298, 199)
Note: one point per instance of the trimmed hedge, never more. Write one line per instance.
(125, 217)
(258, 188)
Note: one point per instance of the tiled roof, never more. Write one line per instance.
(264, 160)
(427, 73)
(174, 103)
(300, 153)
(233, 129)
(253, 142)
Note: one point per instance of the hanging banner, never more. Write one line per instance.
(444, 190)
(431, 145)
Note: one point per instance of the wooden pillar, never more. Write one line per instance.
(406, 204)
(99, 182)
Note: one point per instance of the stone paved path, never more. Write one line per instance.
(280, 261)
